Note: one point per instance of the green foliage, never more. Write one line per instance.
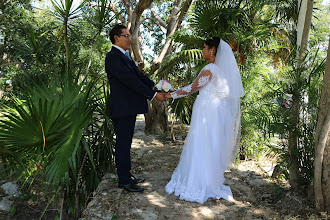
(63, 127)
(53, 118)
(242, 24)
(182, 108)
(35, 49)
(100, 16)
(262, 36)
(257, 105)
(12, 211)
(13, 14)
(274, 120)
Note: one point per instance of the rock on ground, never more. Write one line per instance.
(11, 190)
(6, 204)
(155, 158)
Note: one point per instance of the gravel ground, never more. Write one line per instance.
(154, 157)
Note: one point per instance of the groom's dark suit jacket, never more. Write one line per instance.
(129, 88)
(129, 91)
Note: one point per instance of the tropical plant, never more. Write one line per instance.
(54, 122)
(62, 128)
(66, 13)
(273, 115)
(241, 24)
(100, 17)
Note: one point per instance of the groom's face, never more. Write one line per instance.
(124, 39)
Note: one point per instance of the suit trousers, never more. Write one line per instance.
(124, 129)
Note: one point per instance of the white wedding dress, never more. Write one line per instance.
(212, 137)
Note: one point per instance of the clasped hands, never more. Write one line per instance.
(163, 96)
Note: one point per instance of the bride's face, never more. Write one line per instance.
(208, 52)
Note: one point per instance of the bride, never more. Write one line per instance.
(214, 129)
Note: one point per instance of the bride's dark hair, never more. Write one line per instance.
(213, 42)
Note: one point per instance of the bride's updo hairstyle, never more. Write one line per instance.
(213, 42)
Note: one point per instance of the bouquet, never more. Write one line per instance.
(164, 85)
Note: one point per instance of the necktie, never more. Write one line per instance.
(128, 56)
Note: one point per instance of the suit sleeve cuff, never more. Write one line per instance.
(154, 96)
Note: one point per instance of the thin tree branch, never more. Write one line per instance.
(170, 33)
(139, 9)
(160, 21)
(129, 7)
(126, 3)
(136, 22)
(155, 22)
(173, 16)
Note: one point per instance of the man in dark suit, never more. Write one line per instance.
(129, 91)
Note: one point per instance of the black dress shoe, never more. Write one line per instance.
(131, 187)
(137, 180)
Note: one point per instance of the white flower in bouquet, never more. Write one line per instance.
(164, 85)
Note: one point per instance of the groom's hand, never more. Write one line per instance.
(168, 95)
(160, 96)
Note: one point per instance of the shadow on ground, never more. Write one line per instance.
(155, 158)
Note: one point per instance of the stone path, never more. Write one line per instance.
(155, 158)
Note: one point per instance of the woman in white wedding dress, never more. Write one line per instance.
(214, 128)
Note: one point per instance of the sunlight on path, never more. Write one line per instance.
(155, 157)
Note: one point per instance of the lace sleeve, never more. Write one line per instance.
(202, 79)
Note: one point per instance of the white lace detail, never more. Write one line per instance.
(203, 80)
(174, 95)
(187, 88)
(200, 82)
(213, 92)
(196, 194)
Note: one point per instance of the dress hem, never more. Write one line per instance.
(192, 194)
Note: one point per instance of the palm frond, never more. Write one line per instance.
(189, 56)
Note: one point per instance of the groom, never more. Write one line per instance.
(129, 91)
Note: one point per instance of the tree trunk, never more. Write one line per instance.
(326, 175)
(294, 177)
(302, 8)
(322, 154)
(307, 27)
(135, 27)
(303, 29)
(156, 119)
(170, 32)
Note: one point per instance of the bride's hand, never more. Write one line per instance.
(168, 95)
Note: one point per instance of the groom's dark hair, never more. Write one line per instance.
(213, 42)
(116, 30)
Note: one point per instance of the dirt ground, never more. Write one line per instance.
(256, 195)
